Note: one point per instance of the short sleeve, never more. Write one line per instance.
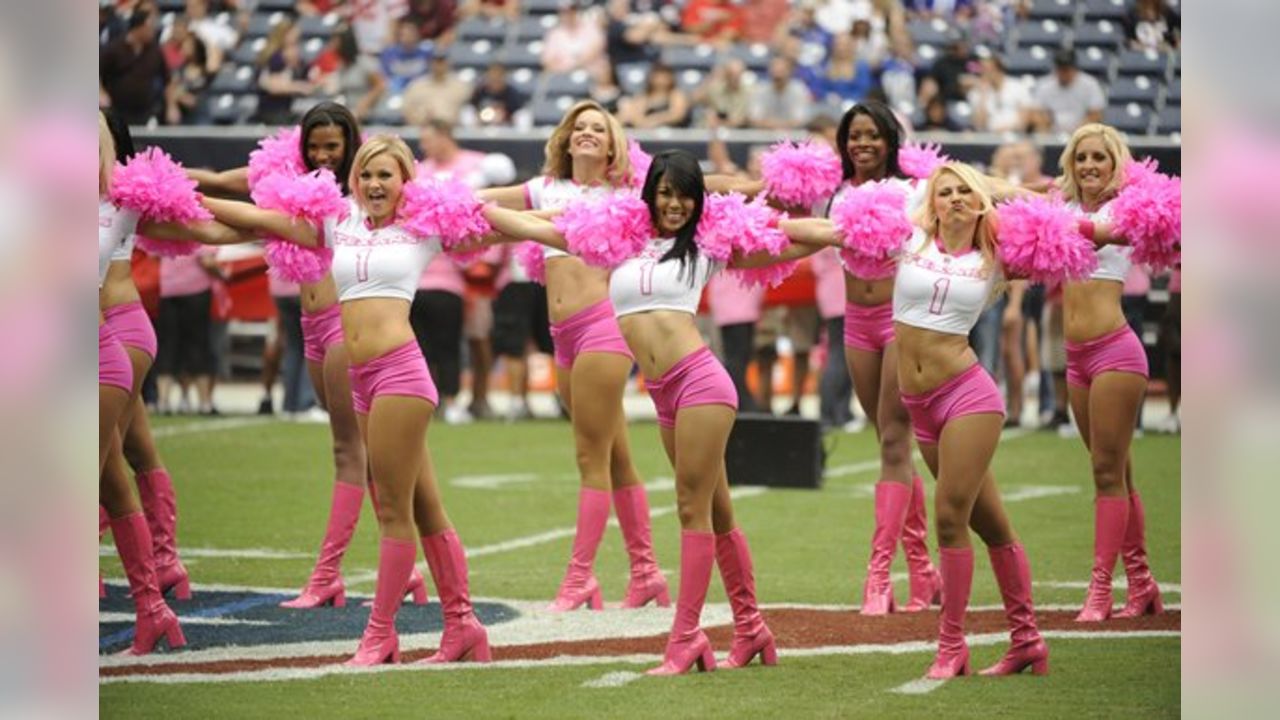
(533, 197)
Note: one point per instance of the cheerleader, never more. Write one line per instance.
(376, 268)
(329, 138)
(655, 296)
(1106, 377)
(587, 155)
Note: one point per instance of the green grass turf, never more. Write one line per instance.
(268, 486)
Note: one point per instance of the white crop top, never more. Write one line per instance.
(641, 283)
(940, 292)
(115, 228)
(547, 193)
(382, 263)
(1113, 260)
(914, 189)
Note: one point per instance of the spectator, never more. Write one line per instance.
(219, 37)
(282, 77)
(663, 103)
(936, 117)
(843, 77)
(802, 37)
(725, 94)
(715, 21)
(407, 60)
(438, 95)
(374, 22)
(1068, 98)
(631, 37)
(872, 44)
(761, 18)
(782, 103)
(959, 11)
(605, 90)
(185, 350)
(317, 8)
(951, 75)
(342, 70)
(1151, 25)
(188, 78)
(496, 101)
(577, 42)
(1000, 104)
(299, 396)
(111, 24)
(131, 72)
(500, 9)
(434, 19)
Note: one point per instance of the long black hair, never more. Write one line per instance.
(886, 124)
(120, 135)
(331, 114)
(684, 175)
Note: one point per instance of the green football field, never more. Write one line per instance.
(253, 499)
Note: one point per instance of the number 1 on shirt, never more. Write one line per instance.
(362, 264)
(646, 278)
(940, 288)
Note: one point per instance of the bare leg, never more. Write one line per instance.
(964, 456)
(894, 424)
(765, 360)
(394, 432)
(801, 376)
(865, 369)
(349, 459)
(1014, 365)
(594, 396)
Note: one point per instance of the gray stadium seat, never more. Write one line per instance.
(1142, 62)
(756, 55)
(1102, 33)
(234, 79)
(1138, 89)
(246, 53)
(277, 5)
(1049, 33)
(388, 111)
(1108, 9)
(926, 55)
(1052, 9)
(524, 55)
(321, 27)
(311, 49)
(960, 113)
(480, 28)
(534, 27)
(698, 57)
(171, 5)
(1132, 118)
(549, 112)
(575, 84)
(1096, 61)
(1029, 61)
(689, 80)
(1173, 92)
(260, 24)
(632, 77)
(540, 7)
(479, 54)
(230, 109)
(523, 79)
(930, 32)
(1169, 120)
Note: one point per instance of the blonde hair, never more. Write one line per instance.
(926, 216)
(1115, 146)
(560, 164)
(106, 156)
(373, 147)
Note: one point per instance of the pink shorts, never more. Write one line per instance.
(320, 331)
(972, 392)
(402, 371)
(868, 327)
(593, 329)
(698, 379)
(114, 367)
(1118, 351)
(132, 327)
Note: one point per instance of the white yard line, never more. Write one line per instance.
(613, 680)
(209, 426)
(867, 466)
(120, 617)
(1117, 583)
(237, 553)
(919, 686)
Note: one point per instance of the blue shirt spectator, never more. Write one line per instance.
(843, 76)
(407, 60)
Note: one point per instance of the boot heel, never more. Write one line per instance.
(480, 652)
(339, 598)
(769, 653)
(1157, 605)
(1040, 667)
(420, 593)
(174, 636)
(707, 660)
(596, 600)
(664, 598)
(182, 590)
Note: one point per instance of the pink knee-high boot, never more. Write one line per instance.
(155, 619)
(417, 586)
(325, 584)
(957, 580)
(926, 583)
(580, 586)
(688, 645)
(1111, 515)
(380, 643)
(1144, 595)
(464, 637)
(892, 500)
(160, 503)
(751, 636)
(631, 505)
(1027, 648)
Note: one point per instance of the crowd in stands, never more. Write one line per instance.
(954, 65)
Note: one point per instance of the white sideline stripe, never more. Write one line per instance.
(209, 426)
(613, 679)
(868, 465)
(119, 617)
(1117, 583)
(492, 482)
(921, 686)
(1019, 493)
(280, 674)
(240, 553)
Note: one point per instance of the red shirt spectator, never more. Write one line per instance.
(714, 19)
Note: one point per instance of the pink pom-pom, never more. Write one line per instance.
(919, 161)
(867, 268)
(444, 208)
(156, 187)
(312, 197)
(606, 230)
(640, 162)
(1040, 240)
(167, 248)
(872, 218)
(278, 154)
(800, 174)
(730, 224)
(297, 263)
(529, 255)
(768, 276)
(1148, 213)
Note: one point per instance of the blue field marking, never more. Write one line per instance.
(282, 625)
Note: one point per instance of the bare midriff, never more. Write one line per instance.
(118, 288)
(660, 339)
(573, 286)
(318, 296)
(1092, 309)
(867, 293)
(927, 359)
(373, 327)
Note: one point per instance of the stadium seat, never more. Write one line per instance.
(535, 27)
(1169, 120)
(698, 57)
(632, 77)
(926, 55)
(1173, 92)
(230, 109)
(1102, 33)
(171, 5)
(575, 84)
(1061, 10)
(479, 28)
(523, 79)
(1131, 118)
(246, 53)
(1041, 32)
(549, 112)
(1142, 62)
(1105, 9)
(277, 5)
(311, 49)
(960, 112)
(1028, 61)
(260, 24)
(929, 32)
(1096, 62)
(321, 27)
(300, 106)
(234, 79)
(478, 54)
(1139, 89)
(524, 55)
(540, 7)
(689, 80)
(388, 111)
(755, 56)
